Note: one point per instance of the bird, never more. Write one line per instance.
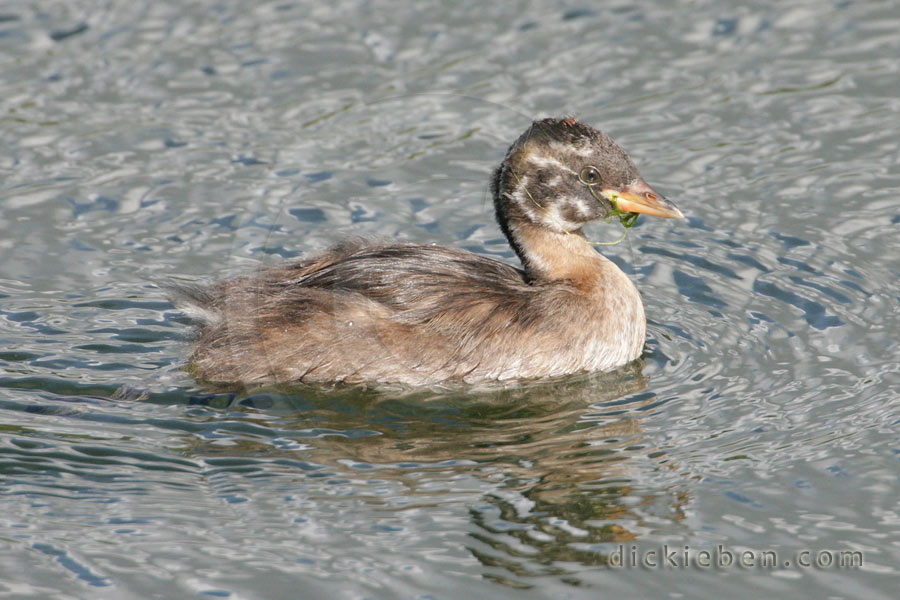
(364, 312)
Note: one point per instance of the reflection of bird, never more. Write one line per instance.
(419, 314)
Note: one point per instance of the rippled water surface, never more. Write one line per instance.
(159, 140)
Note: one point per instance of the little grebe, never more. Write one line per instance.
(421, 314)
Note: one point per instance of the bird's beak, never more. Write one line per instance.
(639, 197)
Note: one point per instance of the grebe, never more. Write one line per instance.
(422, 314)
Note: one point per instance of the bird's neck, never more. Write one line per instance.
(551, 256)
(605, 301)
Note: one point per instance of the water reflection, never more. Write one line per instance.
(555, 462)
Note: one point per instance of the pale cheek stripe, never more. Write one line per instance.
(583, 208)
(549, 162)
(583, 151)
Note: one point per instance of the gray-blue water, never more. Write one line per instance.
(154, 140)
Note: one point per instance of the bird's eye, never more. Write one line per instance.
(589, 176)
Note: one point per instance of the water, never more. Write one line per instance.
(147, 141)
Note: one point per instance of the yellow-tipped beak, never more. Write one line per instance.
(638, 197)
